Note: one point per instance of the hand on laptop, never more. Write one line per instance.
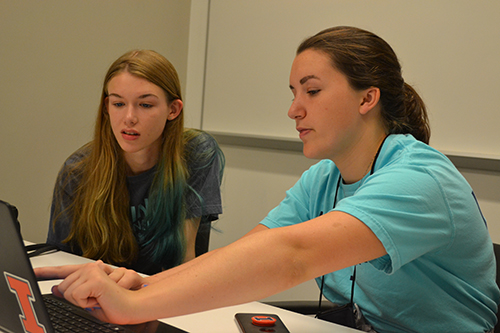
(96, 286)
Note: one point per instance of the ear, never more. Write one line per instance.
(174, 109)
(371, 97)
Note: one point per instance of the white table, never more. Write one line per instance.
(217, 321)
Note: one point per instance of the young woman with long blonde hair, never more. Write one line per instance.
(136, 194)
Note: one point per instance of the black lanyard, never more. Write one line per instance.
(353, 276)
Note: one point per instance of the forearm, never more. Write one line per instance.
(175, 270)
(166, 274)
(244, 271)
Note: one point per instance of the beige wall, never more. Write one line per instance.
(53, 57)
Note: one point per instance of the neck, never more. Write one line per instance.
(140, 162)
(360, 160)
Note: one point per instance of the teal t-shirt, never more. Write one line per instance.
(439, 271)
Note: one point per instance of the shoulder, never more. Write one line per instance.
(410, 169)
(73, 165)
(195, 139)
(405, 152)
(79, 155)
(201, 148)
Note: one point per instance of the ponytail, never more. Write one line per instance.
(416, 115)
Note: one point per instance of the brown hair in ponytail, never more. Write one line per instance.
(368, 61)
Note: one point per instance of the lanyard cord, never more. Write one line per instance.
(353, 276)
(323, 277)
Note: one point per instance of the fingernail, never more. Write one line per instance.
(55, 290)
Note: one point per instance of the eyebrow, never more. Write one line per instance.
(305, 79)
(308, 77)
(141, 97)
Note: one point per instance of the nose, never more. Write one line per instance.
(296, 110)
(131, 116)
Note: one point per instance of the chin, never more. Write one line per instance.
(314, 154)
(310, 153)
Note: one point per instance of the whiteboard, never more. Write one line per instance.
(449, 51)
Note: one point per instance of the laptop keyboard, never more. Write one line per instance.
(65, 319)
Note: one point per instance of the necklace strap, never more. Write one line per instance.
(376, 156)
(353, 276)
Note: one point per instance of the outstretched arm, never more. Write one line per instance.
(126, 278)
(256, 266)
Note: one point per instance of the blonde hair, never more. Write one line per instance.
(100, 208)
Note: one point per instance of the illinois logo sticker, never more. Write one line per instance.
(22, 289)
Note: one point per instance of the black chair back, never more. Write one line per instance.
(202, 238)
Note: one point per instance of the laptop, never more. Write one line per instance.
(22, 306)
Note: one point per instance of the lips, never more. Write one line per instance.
(303, 131)
(129, 134)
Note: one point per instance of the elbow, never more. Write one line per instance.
(298, 269)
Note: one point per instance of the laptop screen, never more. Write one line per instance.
(22, 308)
(18, 286)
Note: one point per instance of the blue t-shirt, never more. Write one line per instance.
(439, 271)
